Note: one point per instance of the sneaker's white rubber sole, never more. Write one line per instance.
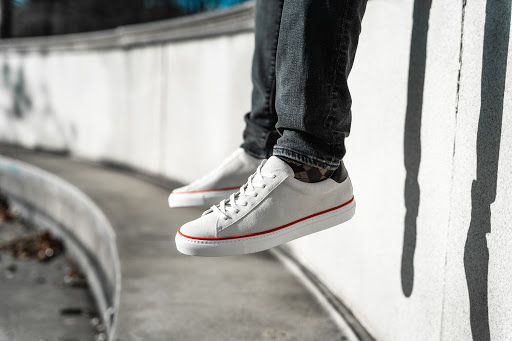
(205, 198)
(215, 247)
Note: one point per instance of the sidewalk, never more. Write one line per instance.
(168, 296)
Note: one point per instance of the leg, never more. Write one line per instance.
(260, 133)
(316, 49)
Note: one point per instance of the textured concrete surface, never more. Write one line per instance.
(165, 295)
(478, 298)
(35, 294)
(54, 205)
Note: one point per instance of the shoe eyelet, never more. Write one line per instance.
(275, 176)
(255, 195)
(264, 186)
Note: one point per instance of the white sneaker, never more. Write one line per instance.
(272, 208)
(218, 184)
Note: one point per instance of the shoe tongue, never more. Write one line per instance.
(276, 164)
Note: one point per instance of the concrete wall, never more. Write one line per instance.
(427, 255)
(147, 105)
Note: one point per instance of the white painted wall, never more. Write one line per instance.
(150, 107)
(361, 261)
(176, 109)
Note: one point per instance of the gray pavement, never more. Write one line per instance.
(168, 296)
(39, 300)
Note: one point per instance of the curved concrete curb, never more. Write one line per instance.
(51, 203)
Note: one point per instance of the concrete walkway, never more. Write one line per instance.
(168, 296)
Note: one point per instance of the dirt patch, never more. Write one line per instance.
(6, 213)
(39, 245)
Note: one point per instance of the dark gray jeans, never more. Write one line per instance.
(304, 52)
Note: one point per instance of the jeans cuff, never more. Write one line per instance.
(257, 153)
(307, 159)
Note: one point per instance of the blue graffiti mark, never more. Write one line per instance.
(9, 168)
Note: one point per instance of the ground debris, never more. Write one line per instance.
(71, 311)
(6, 212)
(25, 253)
(10, 271)
(39, 245)
(75, 278)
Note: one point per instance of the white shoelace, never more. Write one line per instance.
(237, 199)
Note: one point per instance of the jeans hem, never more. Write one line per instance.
(257, 154)
(307, 159)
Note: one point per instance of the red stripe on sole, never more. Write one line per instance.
(268, 231)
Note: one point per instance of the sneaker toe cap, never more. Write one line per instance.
(203, 227)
